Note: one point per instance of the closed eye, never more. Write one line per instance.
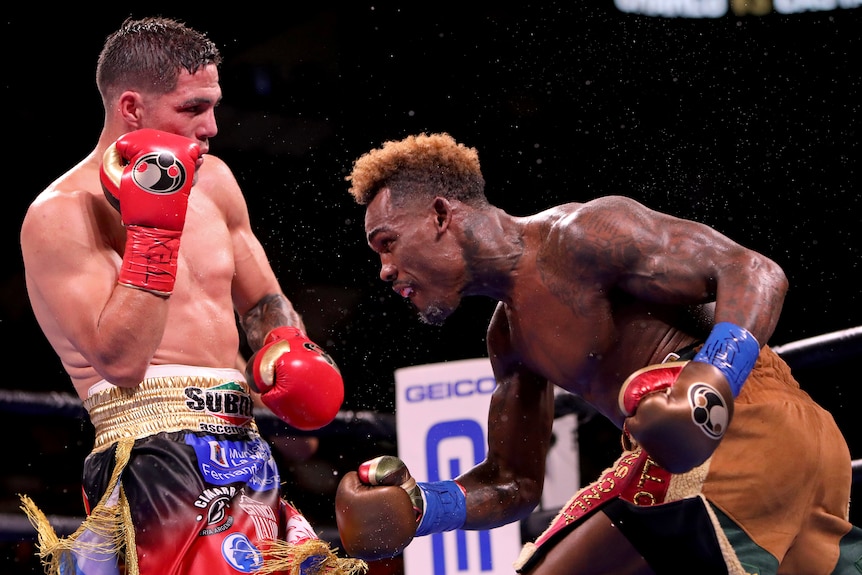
(198, 106)
(381, 240)
(197, 110)
(386, 245)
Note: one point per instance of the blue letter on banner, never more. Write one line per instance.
(439, 432)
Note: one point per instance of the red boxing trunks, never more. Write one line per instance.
(181, 483)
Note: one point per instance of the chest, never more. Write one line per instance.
(589, 346)
(206, 255)
(564, 343)
(206, 252)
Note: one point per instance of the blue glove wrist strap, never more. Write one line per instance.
(445, 507)
(733, 350)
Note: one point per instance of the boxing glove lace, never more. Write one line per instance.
(147, 175)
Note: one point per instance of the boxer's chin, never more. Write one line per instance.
(434, 315)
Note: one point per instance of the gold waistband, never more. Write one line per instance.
(180, 403)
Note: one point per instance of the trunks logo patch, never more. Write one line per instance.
(635, 478)
(263, 517)
(225, 462)
(227, 401)
(298, 527)
(708, 410)
(218, 454)
(241, 554)
(215, 502)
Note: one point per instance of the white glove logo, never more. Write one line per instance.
(159, 173)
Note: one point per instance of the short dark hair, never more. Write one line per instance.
(148, 54)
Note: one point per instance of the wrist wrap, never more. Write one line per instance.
(445, 507)
(733, 350)
(150, 259)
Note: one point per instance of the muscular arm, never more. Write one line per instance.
(662, 259)
(258, 298)
(288, 373)
(380, 507)
(271, 311)
(72, 281)
(507, 485)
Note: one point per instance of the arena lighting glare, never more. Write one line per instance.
(719, 8)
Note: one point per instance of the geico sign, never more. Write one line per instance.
(447, 389)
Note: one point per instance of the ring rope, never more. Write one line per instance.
(820, 350)
(367, 424)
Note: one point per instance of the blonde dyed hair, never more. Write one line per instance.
(417, 166)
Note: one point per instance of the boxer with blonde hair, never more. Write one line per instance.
(662, 325)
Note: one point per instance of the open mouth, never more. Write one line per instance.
(405, 291)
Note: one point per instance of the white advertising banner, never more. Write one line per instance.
(441, 420)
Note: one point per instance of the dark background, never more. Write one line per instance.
(747, 123)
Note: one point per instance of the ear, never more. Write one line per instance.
(130, 106)
(442, 214)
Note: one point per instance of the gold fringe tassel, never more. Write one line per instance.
(283, 557)
(131, 554)
(47, 541)
(111, 525)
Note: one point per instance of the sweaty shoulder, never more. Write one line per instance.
(596, 214)
(583, 240)
(69, 202)
(214, 174)
(217, 181)
(594, 224)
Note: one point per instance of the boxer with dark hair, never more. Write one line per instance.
(661, 324)
(138, 262)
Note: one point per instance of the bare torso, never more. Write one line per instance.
(201, 326)
(564, 323)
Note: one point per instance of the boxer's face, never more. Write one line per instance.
(189, 110)
(423, 264)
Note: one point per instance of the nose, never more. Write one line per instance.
(388, 272)
(208, 128)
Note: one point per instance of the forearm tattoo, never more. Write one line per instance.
(270, 312)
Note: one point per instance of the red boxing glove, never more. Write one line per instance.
(650, 379)
(148, 175)
(297, 380)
